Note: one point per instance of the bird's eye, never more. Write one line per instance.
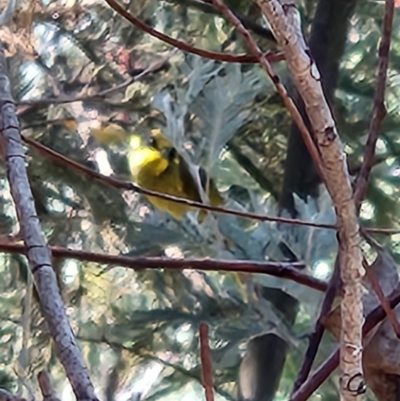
(153, 143)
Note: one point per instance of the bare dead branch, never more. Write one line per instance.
(382, 299)
(273, 57)
(284, 20)
(262, 59)
(206, 366)
(378, 109)
(116, 183)
(323, 372)
(286, 270)
(316, 336)
(36, 248)
(317, 378)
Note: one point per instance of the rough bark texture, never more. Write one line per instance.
(301, 178)
(327, 50)
(37, 251)
(285, 22)
(381, 354)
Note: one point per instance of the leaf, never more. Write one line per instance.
(224, 106)
(219, 96)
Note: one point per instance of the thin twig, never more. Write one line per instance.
(285, 270)
(375, 283)
(273, 57)
(23, 357)
(379, 109)
(316, 336)
(285, 22)
(100, 95)
(381, 296)
(206, 367)
(37, 252)
(330, 364)
(116, 183)
(288, 102)
(317, 378)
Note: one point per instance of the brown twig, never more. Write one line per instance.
(381, 296)
(113, 182)
(376, 286)
(288, 102)
(317, 378)
(206, 367)
(116, 183)
(285, 270)
(379, 109)
(285, 22)
(316, 336)
(98, 96)
(273, 57)
(323, 372)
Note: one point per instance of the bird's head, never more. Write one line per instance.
(159, 141)
(142, 154)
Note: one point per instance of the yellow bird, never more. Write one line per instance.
(159, 167)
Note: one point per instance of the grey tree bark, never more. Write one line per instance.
(265, 356)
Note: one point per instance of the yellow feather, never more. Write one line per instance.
(162, 169)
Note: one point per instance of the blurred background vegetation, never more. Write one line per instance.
(138, 329)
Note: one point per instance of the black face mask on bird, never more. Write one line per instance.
(158, 166)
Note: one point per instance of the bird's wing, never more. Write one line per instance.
(189, 185)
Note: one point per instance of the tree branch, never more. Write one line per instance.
(300, 176)
(36, 248)
(116, 183)
(382, 299)
(285, 270)
(273, 57)
(284, 20)
(288, 102)
(322, 373)
(379, 109)
(316, 336)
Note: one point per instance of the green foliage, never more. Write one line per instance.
(138, 329)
